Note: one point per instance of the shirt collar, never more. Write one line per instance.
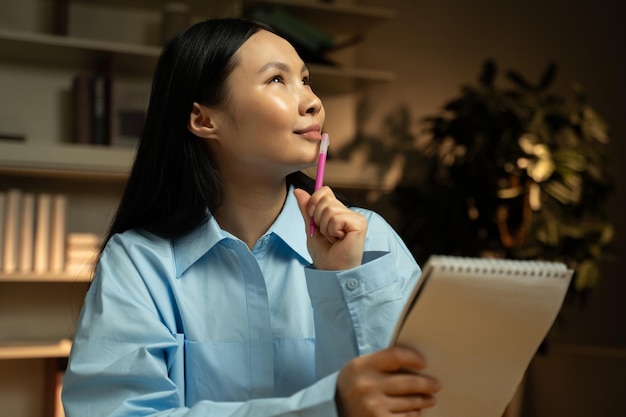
(289, 227)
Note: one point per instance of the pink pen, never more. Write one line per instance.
(319, 179)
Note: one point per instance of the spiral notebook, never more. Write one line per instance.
(478, 323)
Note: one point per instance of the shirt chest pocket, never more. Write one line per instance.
(217, 371)
(239, 371)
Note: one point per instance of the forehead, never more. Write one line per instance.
(263, 47)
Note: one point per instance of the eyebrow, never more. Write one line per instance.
(281, 66)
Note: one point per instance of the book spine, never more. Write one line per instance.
(42, 234)
(101, 110)
(27, 233)
(60, 17)
(57, 233)
(11, 226)
(82, 91)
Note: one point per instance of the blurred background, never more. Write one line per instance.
(481, 128)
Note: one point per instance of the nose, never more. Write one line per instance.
(310, 103)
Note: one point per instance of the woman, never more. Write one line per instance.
(210, 298)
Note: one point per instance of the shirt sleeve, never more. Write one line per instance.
(356, 310)
(126, 361)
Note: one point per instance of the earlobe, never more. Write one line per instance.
(200, 122)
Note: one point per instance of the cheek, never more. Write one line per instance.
(264, 113)
(276, 111)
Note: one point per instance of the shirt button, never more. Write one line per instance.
(351, 284)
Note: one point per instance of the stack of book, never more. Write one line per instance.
(81, 252)
(32, 232)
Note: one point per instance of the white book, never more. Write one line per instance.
(89, 240)
(27, 233)
(42, 234)
(3, 202)
(11, 230)
(478, 323)
(84, 255)
(58, 232)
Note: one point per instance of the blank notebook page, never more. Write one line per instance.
(478, 323)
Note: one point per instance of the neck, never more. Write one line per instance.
(249, 210)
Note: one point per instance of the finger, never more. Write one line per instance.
(409, 403)
(333, 221)
(400, 358)
(400, 384)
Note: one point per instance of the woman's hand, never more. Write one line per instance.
(339, 237)
(387, 382)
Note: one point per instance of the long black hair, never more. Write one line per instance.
(174, 179)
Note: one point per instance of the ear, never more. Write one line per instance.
(201, 122)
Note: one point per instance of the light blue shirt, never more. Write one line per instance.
(202, 326)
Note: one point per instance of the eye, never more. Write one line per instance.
(277, 79)
(306, 80)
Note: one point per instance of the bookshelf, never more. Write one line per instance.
(60, 349)
(65, 160)
(38, 311)
(138, 60)
(49, 277)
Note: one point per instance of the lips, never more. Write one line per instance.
(312, 132)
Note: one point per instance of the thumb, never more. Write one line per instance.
(303, 199)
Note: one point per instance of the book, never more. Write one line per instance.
(83, 101)
(41, 259)
(128, 107)
(27, 233)
(478, 323)
(92, 109)
(101, 110)
(13, 137)
(58, 233)
(11, 230)
(60, 17)
(82, 252)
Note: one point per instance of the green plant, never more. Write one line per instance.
(516, 171)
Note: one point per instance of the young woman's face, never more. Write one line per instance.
(272, 120)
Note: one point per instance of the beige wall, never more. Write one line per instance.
(434, 46)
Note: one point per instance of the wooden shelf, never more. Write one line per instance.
(60, 349)
(95, 162)
(47, 277)
(39, 48)
(141, 60)
(66, 160)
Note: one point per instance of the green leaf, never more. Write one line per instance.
(488, 74)
(519, 80)
(548, 77)
(587, 275)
